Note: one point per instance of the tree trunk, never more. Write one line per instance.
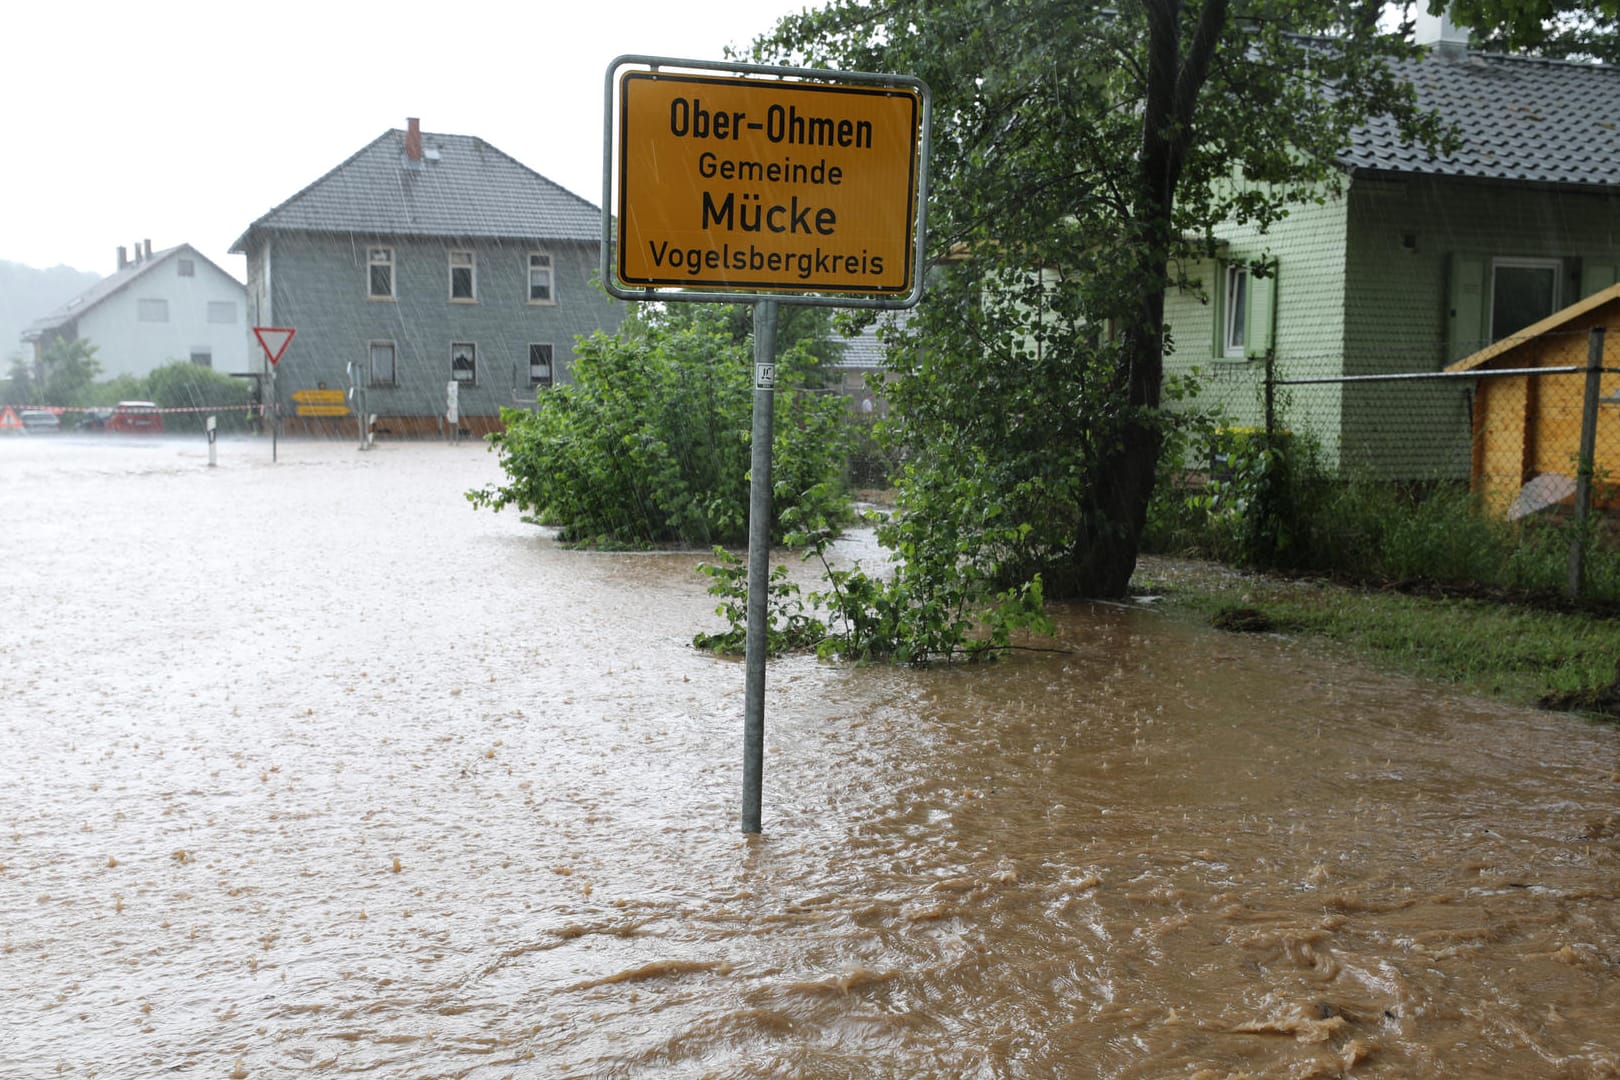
(1105, 553)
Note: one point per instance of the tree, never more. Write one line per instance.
(19, 387)
(1554, 28)
(1082, 154)
(67, 370)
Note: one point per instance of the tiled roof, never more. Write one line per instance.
(463, 187)
(864, 351)
(1520, 119)
(109, 285)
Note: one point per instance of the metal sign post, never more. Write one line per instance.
(739, 183)
(357, 395)
(1584, 467)
(759, 562)
(274, 341)
(213, 458)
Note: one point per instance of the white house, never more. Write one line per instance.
(157, 308)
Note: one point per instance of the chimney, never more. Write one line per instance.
(146, 246)
(123, 256)
(413, 138)
(1449, 39)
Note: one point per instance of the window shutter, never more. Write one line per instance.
(1261, 314)
(1597, 275)
(1466, 308)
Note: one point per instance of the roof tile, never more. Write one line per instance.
(1519, 118)
(463, 187)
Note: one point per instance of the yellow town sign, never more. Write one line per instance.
(766, 185)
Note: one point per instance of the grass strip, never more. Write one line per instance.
(1511, 652)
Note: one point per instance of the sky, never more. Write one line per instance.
(179, 121)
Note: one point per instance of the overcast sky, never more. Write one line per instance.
(183, 121)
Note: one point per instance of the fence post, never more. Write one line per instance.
(1585, 466)
(1271, 396)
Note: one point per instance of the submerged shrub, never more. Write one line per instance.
(649, 444)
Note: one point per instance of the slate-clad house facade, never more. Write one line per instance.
(1418, 261)
(424, 260)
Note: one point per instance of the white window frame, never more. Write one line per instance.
(152, 309)
(551, 365)
(186, 267)
(471, 348)
(550, 271)
(222, 312)
(371, 367)
(378, 255)
(461, 259)
(202, 356)
(1234, 312)
(1520, 263)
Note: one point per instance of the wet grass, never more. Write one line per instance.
(1514, 652)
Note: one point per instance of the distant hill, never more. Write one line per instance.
(27, 294)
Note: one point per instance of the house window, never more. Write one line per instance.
(463, 276)
(380, 273)
(539, 365)
(1523, 291)
(1234, 312)
(540, 279)
(202, 357)
(222, 311)
(464, 363)
(188, 267)
(152, 310)
(382, 363)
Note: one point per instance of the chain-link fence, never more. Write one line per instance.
(1531, 426)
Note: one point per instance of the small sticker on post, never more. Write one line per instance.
(764, 376)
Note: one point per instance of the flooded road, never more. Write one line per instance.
(311, 768)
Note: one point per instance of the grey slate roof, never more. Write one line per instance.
(864, 351)
(470, 189)
(1521, 120)
(109, 285)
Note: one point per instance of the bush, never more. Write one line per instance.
(1272, 505)
(182, 384)
(649, 444)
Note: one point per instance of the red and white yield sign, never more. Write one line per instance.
(273, 340)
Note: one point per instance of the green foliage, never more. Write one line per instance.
(119, 388)
(182, 384)
(1276, 507)
(67, 370)
(70, 369)
(1081, 155)
(1241, 504)
(787, 626)
(1564, 29)
(649, 444)
(18, 388)
(908, 617)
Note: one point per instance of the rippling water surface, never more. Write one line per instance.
(311, 768)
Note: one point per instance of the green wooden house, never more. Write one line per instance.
(1419, 261)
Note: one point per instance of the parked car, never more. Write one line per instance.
(95, 419)
(36, 421)
(136, 416)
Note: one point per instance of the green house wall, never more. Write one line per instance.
(1392, 276)
(1308, 247)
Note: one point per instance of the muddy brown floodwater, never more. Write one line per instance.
(312, 768)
